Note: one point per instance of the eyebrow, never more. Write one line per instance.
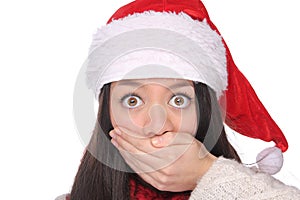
(180, 85)
(136, 84)
(129, 83)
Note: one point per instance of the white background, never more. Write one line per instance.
(44, 43)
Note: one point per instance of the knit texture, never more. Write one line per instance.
(227, 179)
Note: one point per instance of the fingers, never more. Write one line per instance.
(172, 161)
(140, 163)
(135, 158)
(120, 143)
(129, 141)
(171, 138)
(141, 155)
(137, 152)
(162, 140)
(177, 143)
(156, 152)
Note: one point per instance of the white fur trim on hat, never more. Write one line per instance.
(189, 47)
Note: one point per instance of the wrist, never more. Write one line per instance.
(207, 162)
(204, 165)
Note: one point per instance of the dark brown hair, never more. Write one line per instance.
(96, 180)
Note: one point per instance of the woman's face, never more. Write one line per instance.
(151, 107)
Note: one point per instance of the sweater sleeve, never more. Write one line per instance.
(228, 179)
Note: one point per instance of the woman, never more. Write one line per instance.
(165, 80)
(131, 113)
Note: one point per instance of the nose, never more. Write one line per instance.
(157, 122)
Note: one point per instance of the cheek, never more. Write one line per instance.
(189, 121)
(118, 116)
(124, 118)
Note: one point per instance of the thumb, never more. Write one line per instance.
(160, 141)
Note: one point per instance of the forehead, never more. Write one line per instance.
(165, 82)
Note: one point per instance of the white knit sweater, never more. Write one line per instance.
(227, 179)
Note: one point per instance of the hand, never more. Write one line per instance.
(169, 162)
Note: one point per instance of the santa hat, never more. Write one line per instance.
(178, 34)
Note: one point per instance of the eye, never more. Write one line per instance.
(180, 101)
(131, 101)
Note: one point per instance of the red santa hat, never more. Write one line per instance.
(157, 34)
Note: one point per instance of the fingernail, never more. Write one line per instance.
(111, 134)
(118, 131)
(156, 141)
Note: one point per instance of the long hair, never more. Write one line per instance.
(101, 180)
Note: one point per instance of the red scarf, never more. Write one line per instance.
(141, 192)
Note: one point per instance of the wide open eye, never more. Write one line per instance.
(131, 101)
(180, 101)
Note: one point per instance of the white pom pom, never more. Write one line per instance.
(270, 160)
